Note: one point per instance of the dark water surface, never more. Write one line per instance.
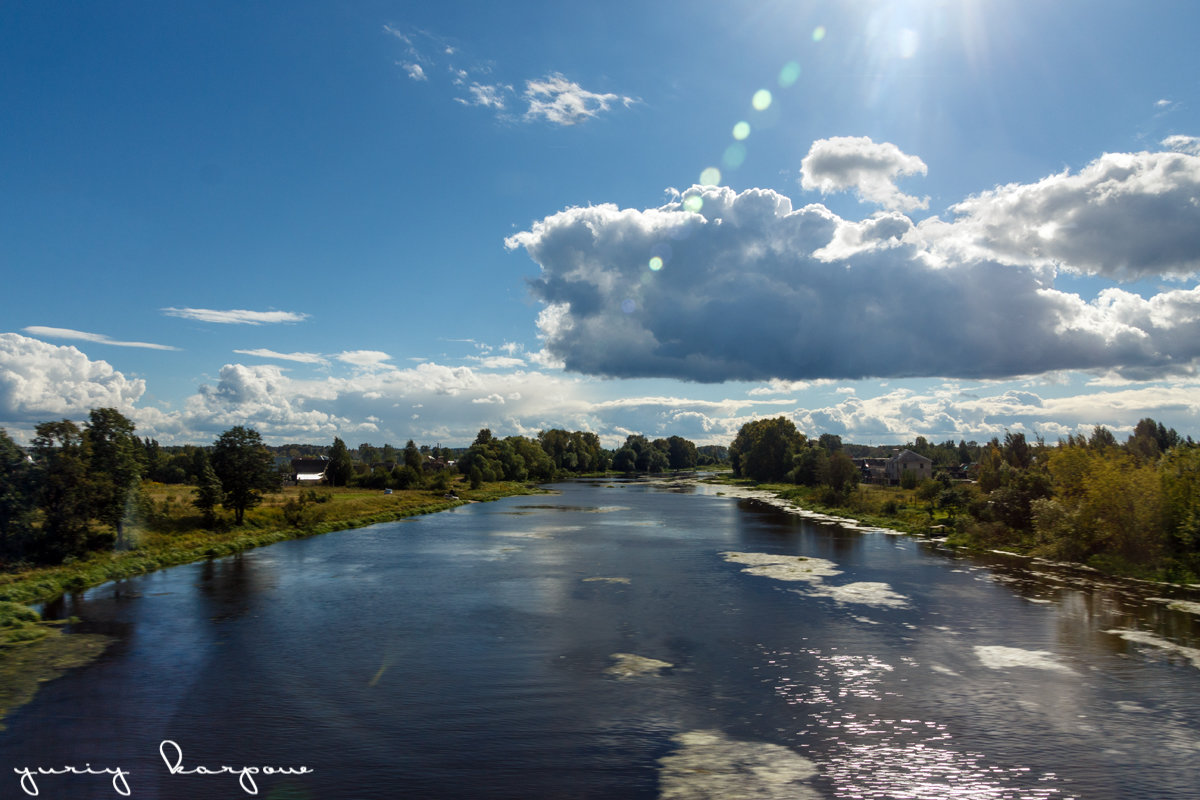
(519, 649)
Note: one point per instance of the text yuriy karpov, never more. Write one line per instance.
(172, 755)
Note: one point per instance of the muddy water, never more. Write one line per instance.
(620, 640)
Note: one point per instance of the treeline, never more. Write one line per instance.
(1123, 507)
(773, 450)
(1131, 507)
(77, 488)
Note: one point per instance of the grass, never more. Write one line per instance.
(878, 506)
(33, 650)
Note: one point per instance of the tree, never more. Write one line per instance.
(413, 457)
(625, 460)
(16, 496)
(116, 465)
(1180, 473)
(832, 443)
(64, 491)
(341, 466)
(245, 468)
(681, 453)
(764, 449)
(208, 494)
(810, 465)
(843, 473)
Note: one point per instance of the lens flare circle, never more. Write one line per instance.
(741, 131)
(761, 100)
(789, 74)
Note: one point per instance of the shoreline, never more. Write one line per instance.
(775, 500)
(34, 651)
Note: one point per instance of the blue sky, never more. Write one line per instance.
(390, 220)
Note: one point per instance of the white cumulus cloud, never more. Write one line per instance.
(747, 292)
(40, 382)
(844, 163)
(1124, 216)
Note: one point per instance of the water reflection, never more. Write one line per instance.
(471, 654)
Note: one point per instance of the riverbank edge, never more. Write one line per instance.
(34, 651)
(766, 494)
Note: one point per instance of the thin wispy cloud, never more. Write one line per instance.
(302, 358)
(365, 359)
(236, 316)
(553, 98)
(562, 102)
(84, 336)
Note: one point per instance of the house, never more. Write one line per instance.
(908, 461)
(309, 470)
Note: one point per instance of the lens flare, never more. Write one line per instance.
(735, 154)
(818, 33)
(762, 100)
(693, 203)
(628, 306)
(710, 177)
(656, 264)
(789, 74)
(741, 130)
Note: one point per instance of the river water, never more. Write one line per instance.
(620, 640)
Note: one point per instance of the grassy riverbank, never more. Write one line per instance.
(875, 506)
(33, 651)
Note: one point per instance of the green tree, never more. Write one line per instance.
(681, 453)
(116, 466)
(413, 457)
(208, 494)
(1180, 474)
(16, 497)
(64, 491)
(341, 465)
(843, 473)
(245, 468)
(810, 465)
(625, 460)
(764, 449)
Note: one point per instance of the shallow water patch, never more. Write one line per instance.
(1192, 654)
(870, 593)
(1000, 657)
(630, 665)
(784, 568)
(814, 571)
(709, 764)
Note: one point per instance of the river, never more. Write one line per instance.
(619, 640)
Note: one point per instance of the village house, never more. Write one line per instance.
(309, 470)
(907, 461)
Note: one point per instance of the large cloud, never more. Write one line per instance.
(746, 287)
(41, 381)
(1124, 216)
